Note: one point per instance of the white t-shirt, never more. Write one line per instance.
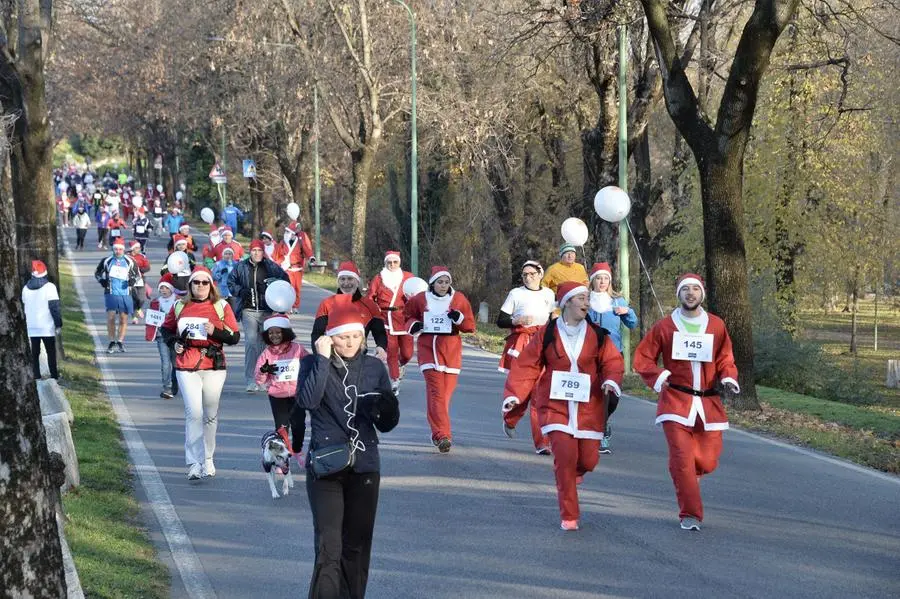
(538, 304)
(37, 310)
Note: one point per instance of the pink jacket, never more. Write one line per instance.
(286, 356)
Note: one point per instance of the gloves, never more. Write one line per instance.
(415, 328)
(455, 315)
(267, 368)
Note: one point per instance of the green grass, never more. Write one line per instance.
(326, 280)
(487, 336)
(113, 554)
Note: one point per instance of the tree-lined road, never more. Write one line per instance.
(482, 521)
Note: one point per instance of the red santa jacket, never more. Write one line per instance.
(391, 301)
(150, 331)
(196, 313)
(532, 373)
(681, 406)
(209, 251)
(234, 245)
(440, 352)
(293, 257)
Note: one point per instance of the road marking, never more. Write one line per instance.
(194, 578)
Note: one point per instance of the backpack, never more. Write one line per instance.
(550, 334)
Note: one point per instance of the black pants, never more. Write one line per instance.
(101, 235)
(343, 508)
(80, 234)
(296, 420)
(50, 347)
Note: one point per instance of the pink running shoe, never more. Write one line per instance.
(579, 479)
(569, 525)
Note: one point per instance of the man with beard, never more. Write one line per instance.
(697, 356)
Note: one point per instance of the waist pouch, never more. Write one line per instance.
(332, 459)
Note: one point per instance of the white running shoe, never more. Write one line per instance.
(251, 388)
(209, 469)
(195, 472)
(402, 372)
(690, 524)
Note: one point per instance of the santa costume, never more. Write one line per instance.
(386, 290)
(559, 358)
(696, 355)
(439, 348)
(368, 312)
(292, 254)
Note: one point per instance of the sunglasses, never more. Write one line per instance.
(531, 273)
(202, 283)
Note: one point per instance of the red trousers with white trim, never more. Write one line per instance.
(539, 439)
(439, 387)
(571, 458)
(693, 452)
(296, 279)
(399, 352)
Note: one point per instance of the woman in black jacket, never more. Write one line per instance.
(348, 396)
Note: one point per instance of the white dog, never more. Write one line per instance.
(276, 455)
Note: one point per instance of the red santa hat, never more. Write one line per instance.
(600, 268)
(257, 244)
(118, 242)
(38, 269)
(690, 278)
(567, 291)
(293, 227)
(179, 238)
(438, 272)
(184, 226)
(344, 318)
(200, 272)
(348, 269)
(391, 254)
(135, 244)
(226, 230)
(277, 320)
(265, 234)
(167, 280)
(214, 237)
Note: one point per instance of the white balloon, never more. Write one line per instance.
(612, 203)
(414, 286)
(159, 188)
(293, 211)
(177, 262)
(208, 215)
(137, 201)
(178, 195)
(280, 296)
(574, 231)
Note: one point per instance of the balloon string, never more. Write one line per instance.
(644, 266)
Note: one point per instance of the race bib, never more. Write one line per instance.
(118, 272)
(193, 326)
(695, 347)
(154, 318)
(570, 386)
(115, 232)
(139, 229)
(437, 323)
(287, 370)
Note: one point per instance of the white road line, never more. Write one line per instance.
(196, 583)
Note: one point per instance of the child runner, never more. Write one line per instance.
(153, 319)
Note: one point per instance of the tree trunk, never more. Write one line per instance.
(599, 150)
(362, 159)
(30, 556)
(854, 310)
(721, 189)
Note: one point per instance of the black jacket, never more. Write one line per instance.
(321, 391)
(241, 286)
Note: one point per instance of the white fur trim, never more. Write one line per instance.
(346, 328)
(707, 426)
(564, 428)
(200, 273)
(347, 273)
(662, 378)
(282, 322)
(513, 352)
(439, 274)
(598, 273)
(503, 370)
(439, 368)
(728, 379)
(690, 281)
(509, 403)
(572, 293)
(165, 284)
(616, 389)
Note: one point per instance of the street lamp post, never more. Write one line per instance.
(624, 281)
(414, 159)
(316, 169)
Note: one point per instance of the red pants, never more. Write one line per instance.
(513, 417)
(399, 352)
(693, 452)
(439, 388)
(296, 278)
(571, 458)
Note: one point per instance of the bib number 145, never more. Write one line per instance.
(694, 347)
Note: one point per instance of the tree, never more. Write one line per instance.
(719, 152)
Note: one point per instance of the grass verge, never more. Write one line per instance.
(113, 554)
(326, 280)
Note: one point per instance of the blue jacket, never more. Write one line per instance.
(230, 217)
(220, 274)
(612, 322)
(322, 391)
(239, 284)
(173, 222)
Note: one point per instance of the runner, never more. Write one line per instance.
(43, 318)
(386, 290)
(184, 230)
(138, 290)
(102, 227)
(81, 222)
(525, 311)
(221, 271)
(696, 354)
(229, 242)
(291, 254)
(116, 226)
(117, 274)
(209, 250)
(247, 283)
(441, 313)
(349, 295)
(197, 327)
(567, 269)
(141, 226)
(269, 243)
(611, 311)
(156, 315)
(568, 365)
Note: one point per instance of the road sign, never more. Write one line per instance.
(218, 175)
(249, 168)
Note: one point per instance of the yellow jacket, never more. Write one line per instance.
(560, 273)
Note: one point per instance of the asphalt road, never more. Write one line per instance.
(482, 521)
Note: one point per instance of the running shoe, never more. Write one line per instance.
(542, 451)
(402, 372)
(510, 431)
(166, 394)
(209, 469)
(569, 525)
(395, 386)
(195, 472)
(251, 388)
(121, 347)
(604, 445)
(690, 524)
(579, 479)
(111, 348)
(444, 445)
